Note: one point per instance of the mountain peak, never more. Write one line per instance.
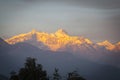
(107, 44)
(3, 43)
(61, 32)
(58, 40)
(106, 41)
(33, 31)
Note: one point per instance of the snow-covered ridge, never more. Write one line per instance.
(60, 40)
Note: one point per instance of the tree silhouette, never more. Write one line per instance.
(56, 75)
(74, 76)
(32, 71)
(14, 76)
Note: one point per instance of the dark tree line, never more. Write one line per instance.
(33, 71)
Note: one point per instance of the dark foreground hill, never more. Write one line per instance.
(3, 77)
(13, 57)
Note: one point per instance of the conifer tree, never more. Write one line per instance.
(32, 71)
(56, 75)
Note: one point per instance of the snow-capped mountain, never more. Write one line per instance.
(61, 41)
(95, 60)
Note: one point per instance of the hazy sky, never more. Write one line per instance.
(95, 19)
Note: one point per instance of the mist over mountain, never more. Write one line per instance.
(94, 61)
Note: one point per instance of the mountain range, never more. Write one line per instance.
(60, 41)
(94, 61)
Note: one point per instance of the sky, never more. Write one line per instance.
(97, 20)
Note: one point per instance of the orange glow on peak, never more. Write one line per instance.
(59, 40)
(107, 44)
(33, 31)
(88, 41)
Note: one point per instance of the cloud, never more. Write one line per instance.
(93, 16)
(99, 4)
(114, 21)
(102, 4)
